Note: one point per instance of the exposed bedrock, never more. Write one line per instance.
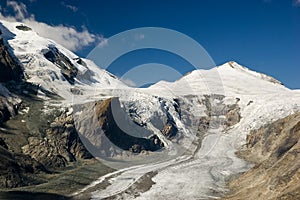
(275, 150)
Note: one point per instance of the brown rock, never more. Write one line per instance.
(275, 149)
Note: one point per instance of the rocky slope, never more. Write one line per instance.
(275, 151)
(113, 133)
(10, 69)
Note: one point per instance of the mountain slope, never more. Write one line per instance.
(52, 67)
(37, 133)
(274, 149)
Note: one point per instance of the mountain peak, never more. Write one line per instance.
(52, 67)
(241, 68)
(231, 78)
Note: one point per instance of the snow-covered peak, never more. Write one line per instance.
(54, 68)
(246, 70)
(230, 79)
(238, 79)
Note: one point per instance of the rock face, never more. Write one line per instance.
(68, 70)
(17, 169)
(111, 132)
(232, 115)
(9, 105)
(10, 69)
(275, 150)
(5, 112)
(219, 113)
(117, 136)
(32, 144)
(170, 130)
(60, 145)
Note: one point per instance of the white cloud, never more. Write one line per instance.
(19, 9)
(103, 43)
(66, 36)
(70, 7)
(69, 37)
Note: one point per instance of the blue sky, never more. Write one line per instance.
(260, 34)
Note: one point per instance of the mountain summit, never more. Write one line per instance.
(52, 67)
(230, 78)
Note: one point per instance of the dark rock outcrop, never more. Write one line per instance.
(8, 109)
(232, 115)
(80, 62)
(9, 68)
(60, 146)
(4, 111)
(23, 27)
(18, 170)
(117, 136)
(170, 129)
(68, 70)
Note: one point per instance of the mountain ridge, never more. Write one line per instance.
(20, 42)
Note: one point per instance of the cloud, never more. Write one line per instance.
(70, 7)
(20, 9)
(67, 36)
(103, 43)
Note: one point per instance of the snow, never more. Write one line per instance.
(221, 80)
(29, 48)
